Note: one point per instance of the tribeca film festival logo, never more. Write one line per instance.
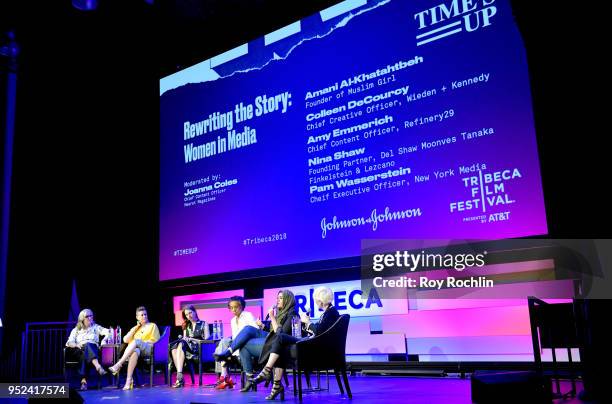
(488, 191)
(471, 14)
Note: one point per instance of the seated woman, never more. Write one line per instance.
(187, 347)
(83, 344)
(323, 297)
(250, 352)
(140, 339)
(247, 339)
(281, 318)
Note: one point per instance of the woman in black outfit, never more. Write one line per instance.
(323, 297)
(281, 317)
(186, 347)
(280, 341)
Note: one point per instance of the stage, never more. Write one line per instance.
(379, 179)
(364, 388)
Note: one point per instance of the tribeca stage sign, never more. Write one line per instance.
(348, 299)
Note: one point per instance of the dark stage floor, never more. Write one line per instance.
(365, 389)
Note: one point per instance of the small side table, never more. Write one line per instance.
(109, 355)
(210, 345)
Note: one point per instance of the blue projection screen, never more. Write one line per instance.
(370, 119)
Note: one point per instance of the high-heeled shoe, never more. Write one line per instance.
(179, 383)
(248, 385)
(265, 374)
(129, 384)
(277, 388)
(83, 386)
(114, 369)
(101, 371)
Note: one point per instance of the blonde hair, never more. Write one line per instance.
(82, 315)
(324, 294)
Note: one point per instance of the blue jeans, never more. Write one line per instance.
(244, 336)
(250, 341)
(84, 355)
(251, 351)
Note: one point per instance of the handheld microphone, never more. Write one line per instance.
(268, 315)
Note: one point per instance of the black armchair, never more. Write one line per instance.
(72, 363)
(323, 352)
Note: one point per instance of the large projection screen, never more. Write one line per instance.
(370, 119)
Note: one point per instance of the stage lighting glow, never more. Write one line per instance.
(85, 5)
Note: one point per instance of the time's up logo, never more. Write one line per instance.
(470, 15)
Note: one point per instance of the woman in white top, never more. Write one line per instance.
(83, 344)
(244, 329)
